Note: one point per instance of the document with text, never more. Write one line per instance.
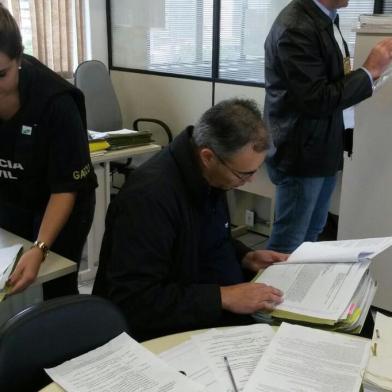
(310, 360)
(378, 375)
(121, 365)
(243, 347)
(345, 251)
(186, 358)
(320, 291)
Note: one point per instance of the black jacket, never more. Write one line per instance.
(44, 147)
(149, 262)
(306, 91)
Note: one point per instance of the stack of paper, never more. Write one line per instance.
(326, 283)
(122, 138)
(309, 360)
(378, 375)
(202, 358)
(120, 365)
(9, 256)
(97, 143)
(296, 358)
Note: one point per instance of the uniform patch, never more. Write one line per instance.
(80, 174)
(26, 130)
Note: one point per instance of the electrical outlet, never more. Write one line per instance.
(249, 218)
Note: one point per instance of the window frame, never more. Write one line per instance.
(378, 9)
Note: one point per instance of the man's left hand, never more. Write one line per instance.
(258, 259)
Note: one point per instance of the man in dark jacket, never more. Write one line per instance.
(168, 259)
(309, 90)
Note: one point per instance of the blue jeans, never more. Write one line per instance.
(301, 209)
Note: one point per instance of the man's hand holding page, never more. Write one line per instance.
(260, 259)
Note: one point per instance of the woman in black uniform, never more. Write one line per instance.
(47, 183)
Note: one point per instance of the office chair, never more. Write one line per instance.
(49, 333)
(102, 107)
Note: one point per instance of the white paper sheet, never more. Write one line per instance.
(310, 360)
(379, 368)
(186, 358)
(121, 365)
(345, 251)
(315, 290)
(243, 346)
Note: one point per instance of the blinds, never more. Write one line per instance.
(170, 36)
(387, 7)
(349, 19)
(175, 36)
(245, 25)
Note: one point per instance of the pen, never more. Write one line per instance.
(230, 374)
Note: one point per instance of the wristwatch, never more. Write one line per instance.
(44, 248)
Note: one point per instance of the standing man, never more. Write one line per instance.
(168, 259)
(309, 86)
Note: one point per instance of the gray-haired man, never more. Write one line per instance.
(167, 258)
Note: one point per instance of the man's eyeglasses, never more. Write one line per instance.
(240, 175)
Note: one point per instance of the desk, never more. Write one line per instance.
(53, 267)
(156, 346)
(101, 165)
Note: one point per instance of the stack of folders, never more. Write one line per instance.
(9, 257)
(97, 143)
(326, 284)
(378, 375)
(116, 140)
(247, 358)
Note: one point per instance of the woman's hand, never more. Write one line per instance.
(26, 270)
(258, 259)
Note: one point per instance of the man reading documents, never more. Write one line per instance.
(168, 259)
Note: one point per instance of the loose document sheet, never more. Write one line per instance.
(315, 290)
(310, 360)
(121, 365)
(186, 357)
(243, 347)
(379, 368)
(345, 251)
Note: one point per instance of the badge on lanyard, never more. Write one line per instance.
(347, 65)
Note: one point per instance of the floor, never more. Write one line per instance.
(253, 240)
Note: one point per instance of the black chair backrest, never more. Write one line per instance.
(50, 333)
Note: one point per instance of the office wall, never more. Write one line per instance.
(176, 101)
(97, 30)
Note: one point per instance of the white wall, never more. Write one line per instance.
(97, 30)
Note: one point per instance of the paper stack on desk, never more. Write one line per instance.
(202, 357)
(378, 375)
(120, 139)
(296, 358)
(310, 360)
(326, 283)
(122, 364)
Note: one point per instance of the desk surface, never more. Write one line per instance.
(53, 267)
(125, 153)
(156, 346)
